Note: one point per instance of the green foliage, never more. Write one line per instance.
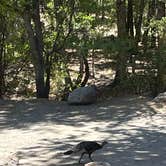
(81, 26)
(159, 25)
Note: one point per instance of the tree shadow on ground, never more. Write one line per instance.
(136, 134)
(23, 114)
(144, 148)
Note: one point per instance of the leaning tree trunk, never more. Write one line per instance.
(87, 73)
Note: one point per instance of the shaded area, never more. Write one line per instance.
(23, 114)
(43, 129)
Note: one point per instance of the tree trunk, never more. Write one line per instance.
(87, 73)
(138, 22)
(151, 14)
(160, 9)
(36, 46)
(81, 70)
(2, 55)
(129, 28)
(121, 73)
(2, 70)
(161, 66)
(121, 18)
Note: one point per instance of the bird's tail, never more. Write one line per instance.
(68, 152)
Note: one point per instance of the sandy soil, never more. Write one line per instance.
(38, 130)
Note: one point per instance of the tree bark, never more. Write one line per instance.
(138, 20)
(161, 66)
(2, 55)
(121, 18)
(151, 14)
(36, 46)
(2, 67)
(87, 73)
(121, 73)
(130, 28)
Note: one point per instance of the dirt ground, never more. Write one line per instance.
(36, 131)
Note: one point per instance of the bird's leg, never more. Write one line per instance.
(90, 157)
(81, 157)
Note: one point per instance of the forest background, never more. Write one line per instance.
(50, 47)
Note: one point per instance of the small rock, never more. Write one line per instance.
(13, 160)
(97, 164)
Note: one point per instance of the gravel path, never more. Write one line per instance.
(37, 131)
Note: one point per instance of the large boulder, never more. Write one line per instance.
(97, 164)
(83, 95)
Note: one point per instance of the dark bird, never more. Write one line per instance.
(86, 147)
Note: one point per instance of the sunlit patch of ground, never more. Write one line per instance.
(158, 106)
(101, 70)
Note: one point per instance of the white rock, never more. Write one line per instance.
(83, 95)
(97, 164)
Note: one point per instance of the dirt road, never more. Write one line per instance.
(38, 130)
